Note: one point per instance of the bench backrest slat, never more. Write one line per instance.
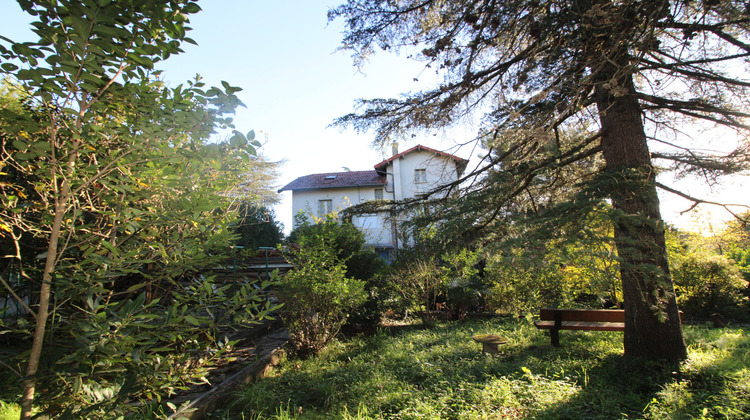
(585, 315)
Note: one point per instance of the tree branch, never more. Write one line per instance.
(698, 201)
(16, 297)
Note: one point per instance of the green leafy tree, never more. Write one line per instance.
(114, 175)
(741, 258)
(521, 282)
(735, 242)
(562, 265)
(362, 263)
(257, 227)
(532, 72)
(466, 290)
(707, 274)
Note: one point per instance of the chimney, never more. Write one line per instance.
(394, 148)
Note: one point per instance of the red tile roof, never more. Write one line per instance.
(336, 180)
(460, 162)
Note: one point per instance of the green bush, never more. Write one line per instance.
(574, 268)
(524, 280)
(257, 226)
(9, 410)
(741, 258)
(420, 282)
(139, 350)
(425, 282)
(707, 283)
(317, 293)
(360, 263)
(466, 291)
(518, 288)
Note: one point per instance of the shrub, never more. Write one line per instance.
(139, 351)
(257, 226)
(419, 281)
(518, 291)
(466, 290)
(317, 293)
(523, 280)
(360, 263)
(425, 282)
(707, 283)
(741, 258)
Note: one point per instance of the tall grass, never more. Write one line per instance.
(440, 373)
(9, 411)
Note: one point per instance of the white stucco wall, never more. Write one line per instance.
(439, 171)
(376, 228)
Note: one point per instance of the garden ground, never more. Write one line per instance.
(411, 372)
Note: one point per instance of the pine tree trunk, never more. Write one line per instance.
(652, 325)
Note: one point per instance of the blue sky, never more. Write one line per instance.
(295, 82)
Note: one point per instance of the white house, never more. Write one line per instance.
(404, 175)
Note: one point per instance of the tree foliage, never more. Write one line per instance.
(572, 95)
(711, 272)
(736, 244)
(113, 198)
(573, 267)
(257, 226)
(707, 284)
(360, 262)
(425, 283)
(318, 294)
(419, 282)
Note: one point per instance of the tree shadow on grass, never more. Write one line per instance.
(441, 372)
(612, 387)
(715, 379)
(619, 387)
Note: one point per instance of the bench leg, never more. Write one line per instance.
(554, 335)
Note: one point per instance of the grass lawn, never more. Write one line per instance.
(440, 373)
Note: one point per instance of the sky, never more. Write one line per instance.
(284, 55)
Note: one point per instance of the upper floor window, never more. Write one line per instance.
(420, 176)
(324, 207)
(378, 193)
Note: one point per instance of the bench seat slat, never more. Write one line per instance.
(554, 320)
(591, 315)
(582, 325)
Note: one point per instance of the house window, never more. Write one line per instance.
(378, 193)
(420, 176)
(324, 207)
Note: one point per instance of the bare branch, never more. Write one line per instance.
(17, 298)
(698, 201)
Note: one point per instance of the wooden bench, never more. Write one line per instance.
(555, 320)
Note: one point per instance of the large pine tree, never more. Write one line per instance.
(620, 74)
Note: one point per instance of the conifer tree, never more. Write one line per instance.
(595, 91)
